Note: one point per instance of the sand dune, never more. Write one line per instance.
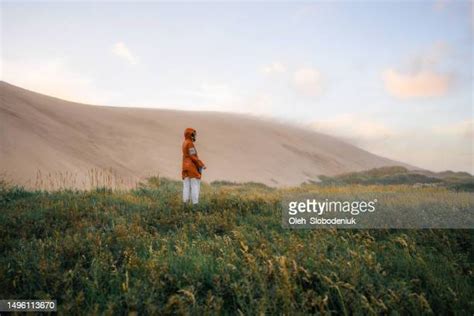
(38, 132)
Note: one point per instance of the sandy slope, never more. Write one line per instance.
(38, 132)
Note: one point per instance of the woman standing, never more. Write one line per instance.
(192, 168)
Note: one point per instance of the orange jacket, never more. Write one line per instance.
(191, 162)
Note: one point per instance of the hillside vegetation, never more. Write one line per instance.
(460, 181)
(115, 252)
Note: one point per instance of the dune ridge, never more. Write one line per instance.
(39, 132)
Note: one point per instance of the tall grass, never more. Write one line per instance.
(89, 180)
(104, 251)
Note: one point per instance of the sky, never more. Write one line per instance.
(392, 77)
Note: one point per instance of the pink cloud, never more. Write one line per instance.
(425, 83)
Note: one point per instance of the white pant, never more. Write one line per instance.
(191, 187)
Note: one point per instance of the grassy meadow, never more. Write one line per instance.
(105, 251)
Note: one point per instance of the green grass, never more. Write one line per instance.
(111, 252)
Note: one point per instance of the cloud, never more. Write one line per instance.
(421, 84)
(55, 77)
(424, 148)
(463, 129)
(308, 81)
(274, 68)
(421, 75)
(440, 148)
(355, 128)
(122, 51)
